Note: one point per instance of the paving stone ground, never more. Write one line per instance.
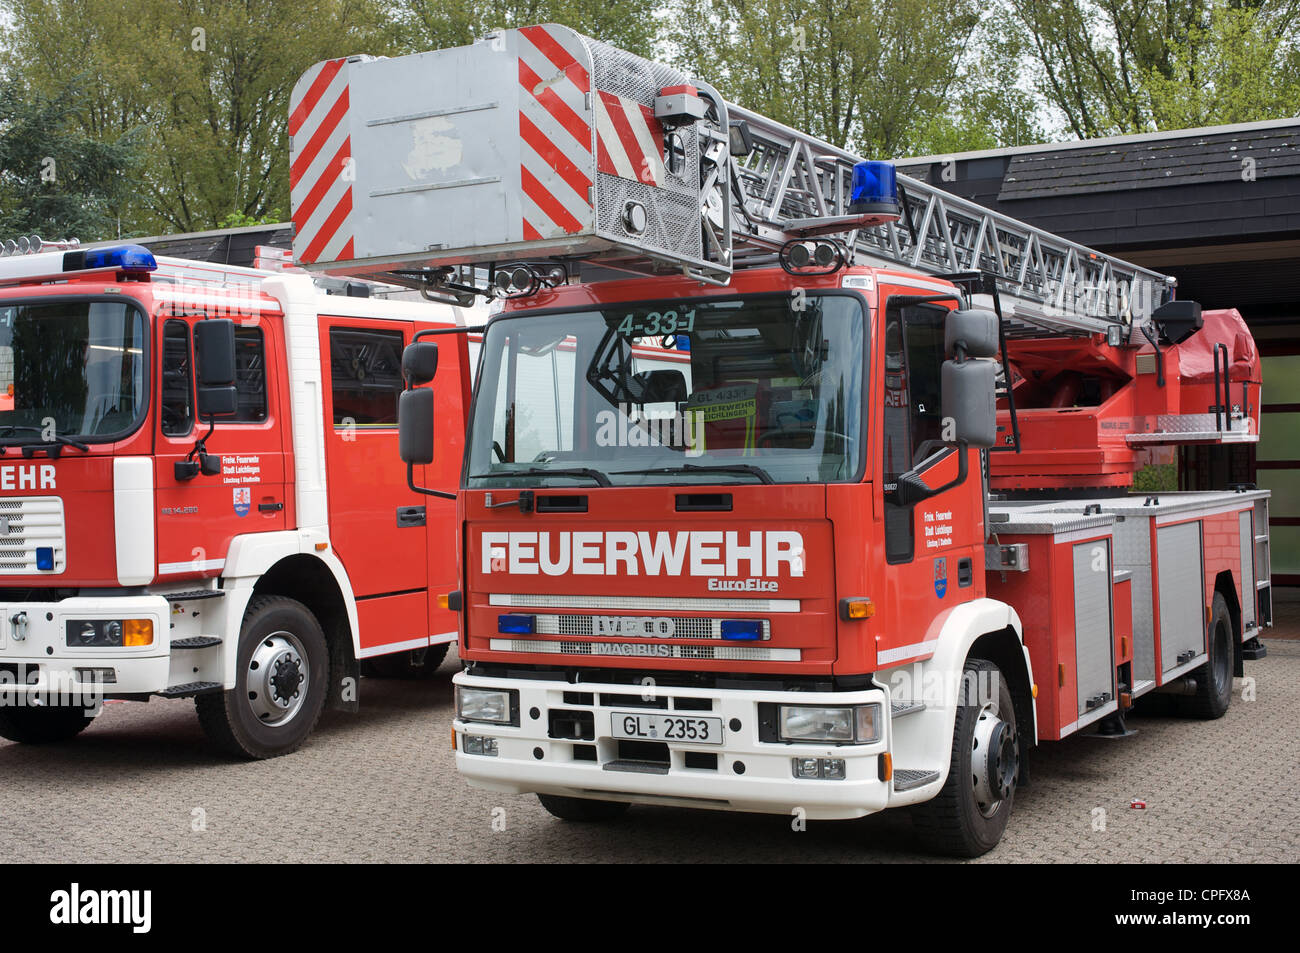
(381, 786)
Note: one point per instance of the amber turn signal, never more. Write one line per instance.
(137, 632)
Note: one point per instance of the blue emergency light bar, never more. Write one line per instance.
(133, 258)
(875, 189)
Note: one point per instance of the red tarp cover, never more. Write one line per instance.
(1196, 354)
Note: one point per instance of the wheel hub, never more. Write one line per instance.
(995, 761)
(278, 672)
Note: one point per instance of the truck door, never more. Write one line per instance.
(928, 546)
(198, 517)
(377, 524)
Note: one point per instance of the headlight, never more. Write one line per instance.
(108, 633)
(842, 725)
(485, 704)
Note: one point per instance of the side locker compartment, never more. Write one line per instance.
(1132, 542)
(1263, 565)
(1246, 545)
(1093, 633)
(1055, 569)
(1181, 580)
(1121, 602)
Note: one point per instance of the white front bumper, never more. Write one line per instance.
(35, 659)
(750, 775)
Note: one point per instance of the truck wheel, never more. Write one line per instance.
(971, 811)
(582, 809)
(40, 726)
(407, 664)
(1214, 678)
(280, 678)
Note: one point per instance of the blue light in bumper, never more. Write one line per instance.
(45, 558)
(875, 188)
(742, 630)
(517, 624)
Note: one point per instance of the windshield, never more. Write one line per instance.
(70, 368)
(759, 389)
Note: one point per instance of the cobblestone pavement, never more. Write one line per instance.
(381, 786)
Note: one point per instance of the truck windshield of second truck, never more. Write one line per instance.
(71, 369)
(764, 388)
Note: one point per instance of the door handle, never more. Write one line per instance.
(269, 507)
(410, 516)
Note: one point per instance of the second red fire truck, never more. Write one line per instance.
(790, 485)
(200, 494)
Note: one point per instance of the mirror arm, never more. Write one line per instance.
(410, 483)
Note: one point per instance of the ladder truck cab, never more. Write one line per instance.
(790, 484)
(200, 493)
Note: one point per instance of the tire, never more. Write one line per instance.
(404, 664)
(954, 822)
(581, 809)
(42, 726)
(259, 718)
(1214, 678)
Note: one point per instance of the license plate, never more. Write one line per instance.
(654, 727)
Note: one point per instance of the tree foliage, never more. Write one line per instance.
(56, 180)
(205, 84)
(199, 89)
(1124, 66)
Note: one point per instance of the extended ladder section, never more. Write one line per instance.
(791, 182)
(542, 145)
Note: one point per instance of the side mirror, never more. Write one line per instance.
(969, 408)
(415, 425)
(420, 362)
(214, 350)
(975, 332)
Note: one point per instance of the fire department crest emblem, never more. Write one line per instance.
(940, 576)
(243, 500)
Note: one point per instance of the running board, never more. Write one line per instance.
(906, 779)
(636, 767)
(193, 595)
(196, 642)
(188, 689)
(899, 709)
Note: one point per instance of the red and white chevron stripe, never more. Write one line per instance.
(629, 140)
(320, 167)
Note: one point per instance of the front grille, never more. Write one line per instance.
(26, 524)
(683, 627)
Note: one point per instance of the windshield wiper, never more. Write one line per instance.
(594, 475)
(56, 439)
(758, 472)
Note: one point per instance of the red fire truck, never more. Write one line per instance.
(790, 485)
(200, 496)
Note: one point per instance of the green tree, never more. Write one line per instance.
(866, 74)
(205, 83)
(1124, 66)
(435, 24)
(55, 179)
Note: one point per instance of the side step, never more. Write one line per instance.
(1252, 650)
(636, 767)
(192, 595)
(196, 642)
(899, 709)
(905, 779)
(188, 689)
